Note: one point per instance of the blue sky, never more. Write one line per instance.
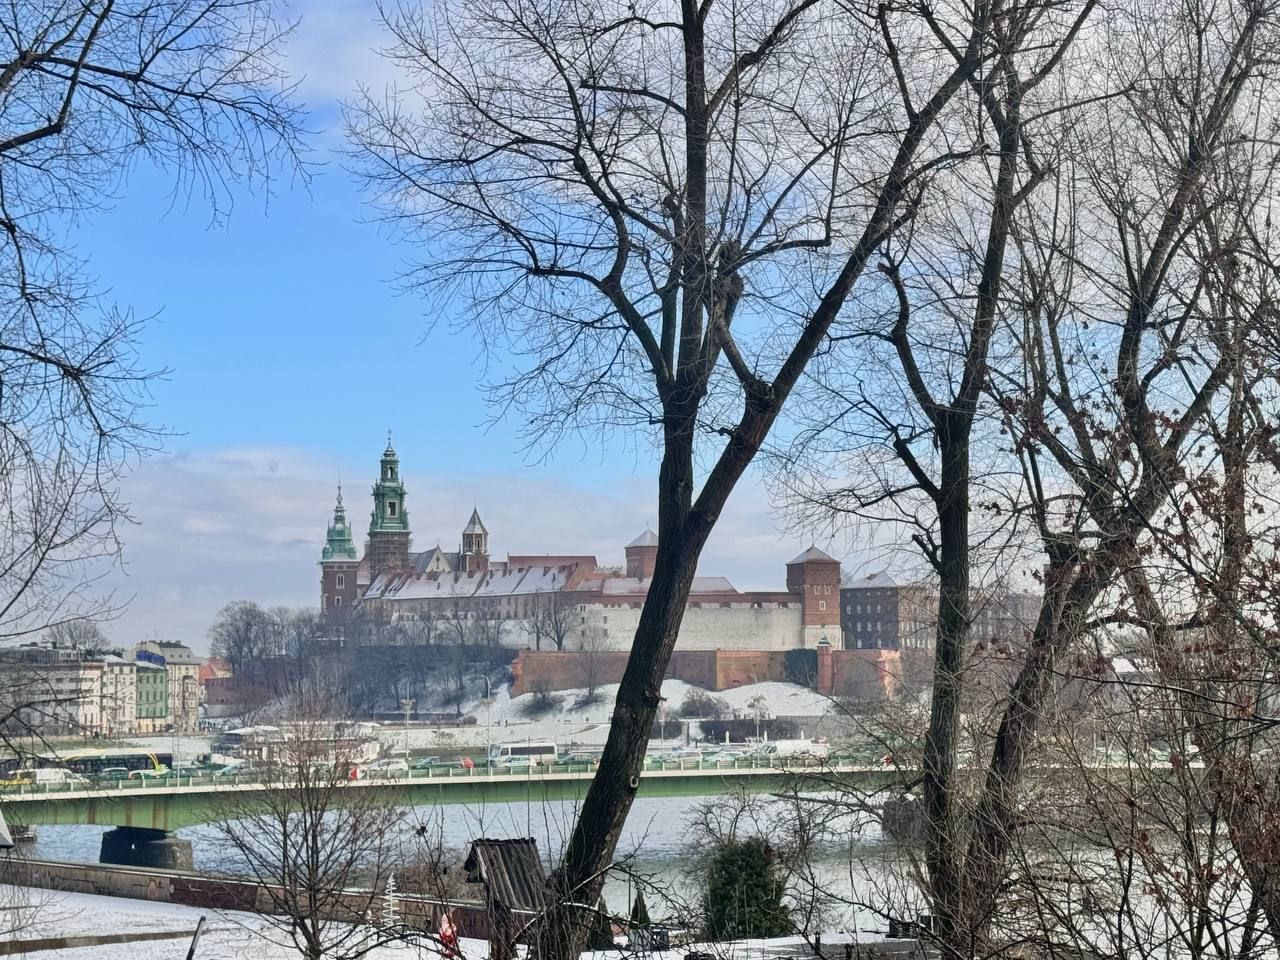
(290, 353)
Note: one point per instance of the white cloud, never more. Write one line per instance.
(334, 49)
(217, 526)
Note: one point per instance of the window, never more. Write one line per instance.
(342, 581)
(337, 601)
(879, 608)
(822, 604)
(391, 508)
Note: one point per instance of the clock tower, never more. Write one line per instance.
(389, 522)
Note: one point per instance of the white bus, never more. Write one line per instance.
(538, 752)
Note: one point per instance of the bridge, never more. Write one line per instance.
(146, 812)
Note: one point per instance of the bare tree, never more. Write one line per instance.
(665, 211)
(319, 846)
(242, 633)
(77, 635)
(550, 618)
(593, 647)
(1086, 321)
(91, 88)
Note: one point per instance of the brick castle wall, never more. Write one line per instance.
(858, 674)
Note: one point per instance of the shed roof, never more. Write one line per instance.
(510, 871)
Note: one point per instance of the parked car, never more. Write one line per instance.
(148, 774)
(515, 764)
(679, 756)
(577, 760)
(390, 767)
(112, 774)
(724, 756)
(424, 763)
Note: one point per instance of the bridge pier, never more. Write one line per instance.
(142, 847)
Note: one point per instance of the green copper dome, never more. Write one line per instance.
(338, 543)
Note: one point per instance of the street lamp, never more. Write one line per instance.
(407, 705)
(488, 704)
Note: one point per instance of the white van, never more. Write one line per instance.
(539, 752)
(54, 775)
(803, 750)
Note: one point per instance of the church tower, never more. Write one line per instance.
(389, 523)
(475, 545)
(338, 564)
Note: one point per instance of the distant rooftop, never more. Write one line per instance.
(813, 553)
(646, 539)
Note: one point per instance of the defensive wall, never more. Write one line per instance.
(771, 624)
(865, 675)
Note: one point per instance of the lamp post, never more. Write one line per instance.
(407, 705)
(488, 705)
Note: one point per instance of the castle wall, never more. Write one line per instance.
(732, 626)
(552, 670)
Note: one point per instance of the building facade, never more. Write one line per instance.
(555, 600)
(119, 704)
(152, 703)
(879, 613)
(182, 674)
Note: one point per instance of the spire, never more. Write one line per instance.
(474, 525)
(338, 542)
(475, 543)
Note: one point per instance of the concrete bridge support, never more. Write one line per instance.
(142, 847)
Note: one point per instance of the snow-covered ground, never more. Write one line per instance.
(227, 935)
(242, 936)
(507, 717)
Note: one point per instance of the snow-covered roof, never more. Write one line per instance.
(637, 585)
(813, 553)
(880, 578)
(496, 582)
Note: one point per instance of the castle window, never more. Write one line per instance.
(822, 604)
(342, 581)
(337, 601)
(391, 508)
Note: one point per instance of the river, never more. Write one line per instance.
(660, 845)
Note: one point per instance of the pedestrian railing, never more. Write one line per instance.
(496, 774)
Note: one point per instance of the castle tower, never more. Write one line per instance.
(642, 555)
(475, 545)
(338, 564)
(389, 521)
(815, 576)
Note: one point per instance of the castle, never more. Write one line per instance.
(556, 601)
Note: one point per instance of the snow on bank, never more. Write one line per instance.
(243, 936)
(227, 935)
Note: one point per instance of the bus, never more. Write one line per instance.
(538, 752)
(90, 761)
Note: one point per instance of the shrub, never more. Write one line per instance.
(744, 896)
(700, 703)
(541, 702)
